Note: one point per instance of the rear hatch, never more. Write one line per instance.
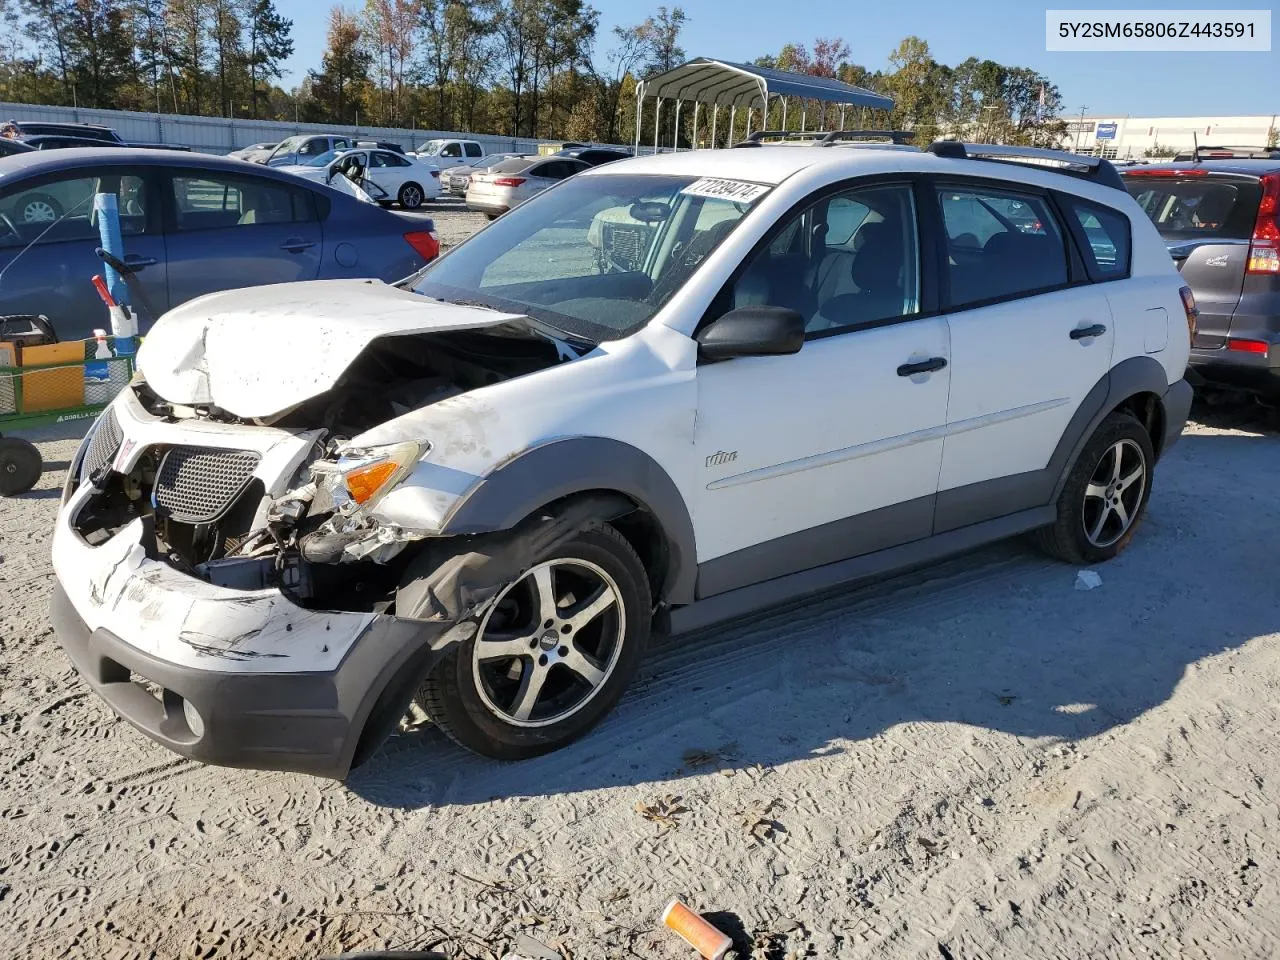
(1206, 219)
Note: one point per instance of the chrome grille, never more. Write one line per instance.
(199, 484)
(107, 438)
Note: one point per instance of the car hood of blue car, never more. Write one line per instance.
(261, 351)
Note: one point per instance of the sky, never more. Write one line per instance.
(1011, 32)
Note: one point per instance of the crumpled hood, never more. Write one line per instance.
(259, 351)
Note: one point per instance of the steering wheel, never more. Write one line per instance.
(9, 225)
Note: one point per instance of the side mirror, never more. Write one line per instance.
(756, 331)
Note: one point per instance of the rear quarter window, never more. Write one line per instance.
(1107, 236)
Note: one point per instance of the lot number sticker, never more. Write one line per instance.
(739, 191)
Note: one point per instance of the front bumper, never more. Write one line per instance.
(306, 722)
(272, 684)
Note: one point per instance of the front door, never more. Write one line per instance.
(834, 451)
(48, 236)
(1026, 348)
(236, 230)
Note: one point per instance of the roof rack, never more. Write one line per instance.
(1094, 169)
(900, 137)
(828, 138)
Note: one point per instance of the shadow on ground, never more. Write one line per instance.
(998, 639)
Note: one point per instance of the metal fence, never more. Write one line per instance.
(220, 135)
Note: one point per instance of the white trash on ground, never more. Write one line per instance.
(1087, 580)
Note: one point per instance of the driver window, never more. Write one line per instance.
(846, 261)
(451, 150)
(62, 209)
(313, 148)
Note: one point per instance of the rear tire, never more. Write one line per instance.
(534, 677)
(1105, 496)
(411, 196)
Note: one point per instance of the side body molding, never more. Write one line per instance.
(571, 465)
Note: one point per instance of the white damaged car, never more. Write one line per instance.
(485, 486)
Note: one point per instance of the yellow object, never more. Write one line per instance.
(364, 482)
(710, 942)
(58, 387)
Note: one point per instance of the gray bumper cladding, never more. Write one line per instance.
(304, 722)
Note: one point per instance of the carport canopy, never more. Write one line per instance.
(725, 84)
(722, 83)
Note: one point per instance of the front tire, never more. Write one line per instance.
(552, 656)
(1105, 496)
(411, 196)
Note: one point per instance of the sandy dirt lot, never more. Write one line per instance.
(976, 760)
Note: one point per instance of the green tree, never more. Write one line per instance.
(269, 42)
(224, 33)
(344, 68)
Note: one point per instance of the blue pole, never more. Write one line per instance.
(107, 210)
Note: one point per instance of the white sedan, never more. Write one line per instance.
(407, 180)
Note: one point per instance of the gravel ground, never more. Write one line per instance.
(976, 760)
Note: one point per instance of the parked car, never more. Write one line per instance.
(405, 180)
(193, 224)
(382, 145)
(514, 181)
(10, 147)
(454, 180)
(1221, 222)
(77, 134)
(450, 153)
(255, 152)
(594, 156)
(486, 485)
(296, 150)
(48, 141)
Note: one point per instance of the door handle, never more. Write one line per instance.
(297, 246)
(932, 365)
(137, 263)
(1084, 333)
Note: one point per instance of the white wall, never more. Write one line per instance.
(218, 135)
(1135, 135)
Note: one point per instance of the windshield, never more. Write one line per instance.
(597, 256)
(289, 145)
(323, 160)
(430, 148)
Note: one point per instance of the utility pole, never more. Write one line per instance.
(1080, 128)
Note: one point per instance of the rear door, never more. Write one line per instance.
(48, 237)
(228, 230)
(1030, 337)
(1206, 219)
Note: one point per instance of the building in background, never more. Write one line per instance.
(1132, 138)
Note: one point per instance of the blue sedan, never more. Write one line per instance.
(192, 224)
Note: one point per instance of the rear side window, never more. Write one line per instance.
(473, 149)
(1106, 234)
(1000, 245)
(212, 201)
(1196, 206)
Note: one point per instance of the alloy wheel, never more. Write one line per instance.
(549, 642)
(1114, 493)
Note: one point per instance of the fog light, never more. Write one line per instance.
(194, 723)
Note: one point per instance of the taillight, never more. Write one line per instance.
(1193, 312)
(1190, 172)
(1264, 248)
(1248, 346)
(508, 181)
(425, 243)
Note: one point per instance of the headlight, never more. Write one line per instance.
(363, 476)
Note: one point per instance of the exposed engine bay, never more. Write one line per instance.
(207, 515)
